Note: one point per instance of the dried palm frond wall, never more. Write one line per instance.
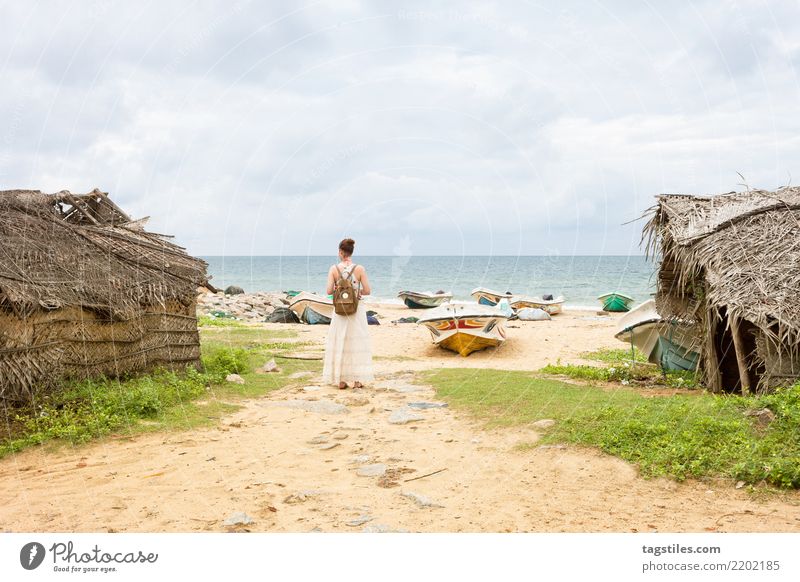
(86, 291)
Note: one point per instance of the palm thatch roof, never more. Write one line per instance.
(746, 244)
(734, 257)
(64, 249)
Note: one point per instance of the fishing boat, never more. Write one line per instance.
(669, 344)
(616, 302)
(416, 300)
(466, 328)
(641, 327)
(311, 308)
(489, 297)
(676, 348)
(549, 305)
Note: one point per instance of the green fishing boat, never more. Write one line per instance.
(615, 302)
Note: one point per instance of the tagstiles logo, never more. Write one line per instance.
(31, 555)
(66, 558)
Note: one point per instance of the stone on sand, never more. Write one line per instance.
(404, 416)
(420, 500)
(374, 470)
(239, 518)
(234, 378)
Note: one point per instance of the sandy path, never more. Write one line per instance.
(264, 461)
(262, 455)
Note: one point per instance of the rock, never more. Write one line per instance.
(405, 388)
(558, 447)
(300, 375)
(740, 484)
(381, 528)
(238, 518)
(376, 470)
(544, 423)
(318, 440)
(420, 500)
(360, 459)
(426, 405)
(341, 436)
(318, 406)
(270, 366)
(762, 416)
(404, 416)
(300, 497)
(354, 400)
(312, 388)
(233, 290)
(329, 446)
(361, 520)
(234, 378)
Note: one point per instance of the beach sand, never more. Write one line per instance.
(295, 470)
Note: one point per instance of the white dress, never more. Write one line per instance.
(348, 350)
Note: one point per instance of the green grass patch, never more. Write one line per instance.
(208, 321)
(625, 373)
(615, 356)
(681, 436)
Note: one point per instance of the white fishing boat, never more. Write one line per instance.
(641, 328)
(489, 297)
(669, 344)
(421, 300)
(466, 328)
(552, 305)
(312, 308)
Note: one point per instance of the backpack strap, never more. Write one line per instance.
(349, 273)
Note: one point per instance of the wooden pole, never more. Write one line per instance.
(713, 374)
(738, 344)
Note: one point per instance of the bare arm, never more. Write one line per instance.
(331, 280)
(366, 289)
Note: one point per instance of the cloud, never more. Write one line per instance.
(469, 128)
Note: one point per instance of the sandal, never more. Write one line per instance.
(342, 385)
(358, 385)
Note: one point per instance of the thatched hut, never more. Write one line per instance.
(730, 267)
(86, 291)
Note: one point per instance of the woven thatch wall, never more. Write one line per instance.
(733, 261)
(85, 291)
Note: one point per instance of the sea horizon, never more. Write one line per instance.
(579, 278)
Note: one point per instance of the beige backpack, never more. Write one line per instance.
(345, 296)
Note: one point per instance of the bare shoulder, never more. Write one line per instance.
(359, 270)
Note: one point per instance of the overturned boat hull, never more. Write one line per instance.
(671, 345)
(312, 309)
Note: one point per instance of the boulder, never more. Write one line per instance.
(233, 290)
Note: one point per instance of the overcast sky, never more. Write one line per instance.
(431, 128)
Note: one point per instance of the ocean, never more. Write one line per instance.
(580, 279)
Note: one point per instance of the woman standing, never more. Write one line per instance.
(348, 354)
